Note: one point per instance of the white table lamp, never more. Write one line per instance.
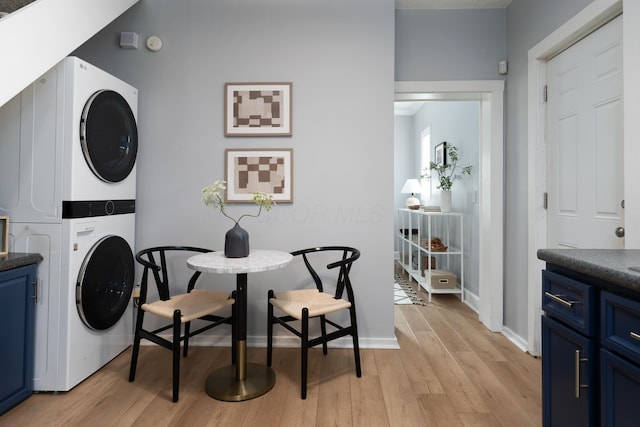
(412, 186)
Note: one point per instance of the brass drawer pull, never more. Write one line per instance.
(635, 336)
(568, 304)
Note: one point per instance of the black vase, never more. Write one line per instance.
(236, 242)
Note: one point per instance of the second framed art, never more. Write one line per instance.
(269, 170)
(257, 109)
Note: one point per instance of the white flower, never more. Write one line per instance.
(212, 196)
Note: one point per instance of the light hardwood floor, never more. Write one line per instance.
(449, 371)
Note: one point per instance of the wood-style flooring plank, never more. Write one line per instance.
(334, 394)
(438, 411)
(423, 377)
(462, 392)
(367, 398)
(503, 403)
(471, 330)
(295, 412)
(401, 403)
(478, 420)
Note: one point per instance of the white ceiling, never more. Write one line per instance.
(451, 4)
(406, 108)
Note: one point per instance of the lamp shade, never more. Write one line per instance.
(412, 186)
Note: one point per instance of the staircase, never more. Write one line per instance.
(36, 37)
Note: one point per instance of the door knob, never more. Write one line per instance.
(620, 231)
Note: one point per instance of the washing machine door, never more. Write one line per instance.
(109, 136)
(105, 283)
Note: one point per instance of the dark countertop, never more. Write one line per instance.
(618, 266)
(18, 259)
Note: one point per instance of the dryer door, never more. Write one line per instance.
(109, 136)
(105, 283)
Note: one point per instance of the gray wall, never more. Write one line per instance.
(340, 61)
(404, 157)
(449, 44)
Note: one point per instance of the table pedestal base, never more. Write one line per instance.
(222, 384)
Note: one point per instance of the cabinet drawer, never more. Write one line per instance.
(570, 301)
(620, 325)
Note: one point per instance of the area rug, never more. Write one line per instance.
(400, 296)
(404, 293)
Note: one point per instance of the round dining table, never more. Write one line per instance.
(242, 381)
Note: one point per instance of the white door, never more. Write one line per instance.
(585, 143)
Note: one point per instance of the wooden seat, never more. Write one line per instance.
(185, 305)
(304, 304)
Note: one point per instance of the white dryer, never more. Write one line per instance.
(70, 136)
(100, 114)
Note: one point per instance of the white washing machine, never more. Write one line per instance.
(97, 281)
(70, 136)
(84, 311)
(70, 142)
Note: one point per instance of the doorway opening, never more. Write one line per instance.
(490, 94)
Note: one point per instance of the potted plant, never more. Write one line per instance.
(447, 171)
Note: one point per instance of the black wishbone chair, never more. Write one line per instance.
(190, 304)
(304, 304)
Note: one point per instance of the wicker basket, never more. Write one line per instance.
(434, 245)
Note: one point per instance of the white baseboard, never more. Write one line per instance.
(285, 341)
(472, 301)
(516, 339)
(345, 342)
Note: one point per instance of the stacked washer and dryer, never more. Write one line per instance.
(68, 146)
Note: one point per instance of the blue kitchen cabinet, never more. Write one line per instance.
(590, 351)
(619, 359)
(569, 367)
(620, 383)
(568, 376)
(17, 317)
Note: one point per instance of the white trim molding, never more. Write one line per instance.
(491, 192)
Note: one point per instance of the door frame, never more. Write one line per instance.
(490, 93)
(584, 23)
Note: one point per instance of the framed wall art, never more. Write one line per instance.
(257, 109)
(269, 170)
(4, 235)
(441, 154)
